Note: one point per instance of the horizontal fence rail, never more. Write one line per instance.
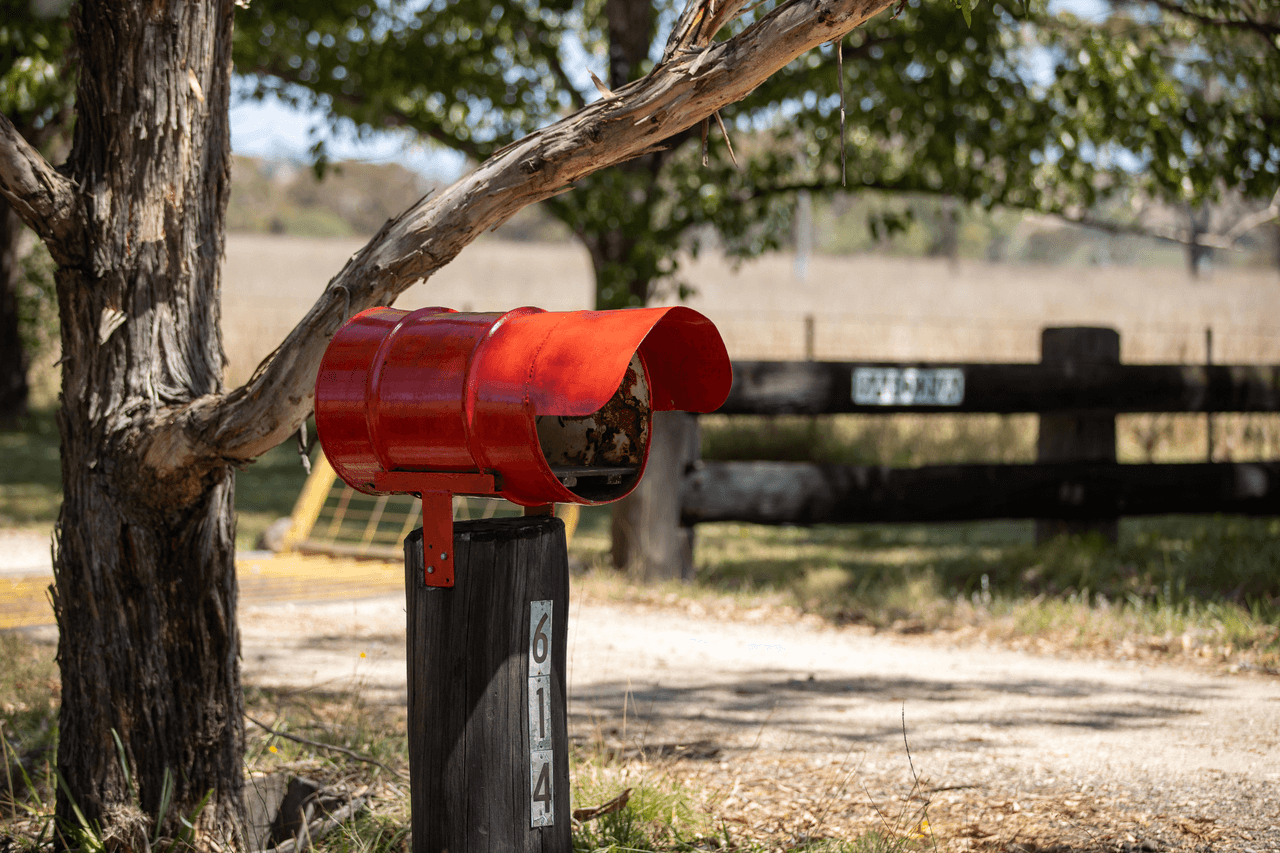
(827, 387)
(1075, 486)
(806, 493)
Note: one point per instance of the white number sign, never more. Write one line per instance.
(908, 386)
(541, 752)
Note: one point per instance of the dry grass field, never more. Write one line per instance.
(863, 306)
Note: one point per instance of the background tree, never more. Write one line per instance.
(1019, 107)
(36, 93)
(1187, 98)
(144, 576)
(919, 86)
(1024, 107)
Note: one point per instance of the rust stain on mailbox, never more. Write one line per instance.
(533, 406)
(613, 441)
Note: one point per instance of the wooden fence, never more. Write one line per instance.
(1075, 485)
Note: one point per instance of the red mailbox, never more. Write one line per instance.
(534, 406)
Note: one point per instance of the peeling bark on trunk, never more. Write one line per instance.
(13, 360)
(144, 571)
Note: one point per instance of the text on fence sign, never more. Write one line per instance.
(908, 386)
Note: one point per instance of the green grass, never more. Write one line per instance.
(29, 696)
(1174, 586)
(31, 476)
(659, 815)
(900, 441)
(1184, 583)
(937, 439)
(1172, 560)
(31, 480)
(268, 488)
(1199, 587)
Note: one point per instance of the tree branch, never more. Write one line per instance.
(1228, 241)
(43, 198)
(243, 424)
(833, 185)
(1253, 220)
(1267, 29)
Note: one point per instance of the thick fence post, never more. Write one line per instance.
(648, 541)
(1077, 437)
(488, 739)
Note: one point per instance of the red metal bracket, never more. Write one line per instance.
(437, 538)
(436, 490)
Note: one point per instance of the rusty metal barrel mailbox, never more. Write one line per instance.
(538, 407)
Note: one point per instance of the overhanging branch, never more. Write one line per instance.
(676, 95)
(43, 198)
(1227, 241)
(1268, 29)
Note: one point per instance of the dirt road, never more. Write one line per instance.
(791, 727)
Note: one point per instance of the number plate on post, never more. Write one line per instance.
(541, 749)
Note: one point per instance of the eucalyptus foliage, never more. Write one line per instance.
(36, 87)
(1185, 93)
(36, 92)
(1013, 104)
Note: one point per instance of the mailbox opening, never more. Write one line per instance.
(599, 456)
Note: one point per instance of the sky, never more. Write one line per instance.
(276, 131)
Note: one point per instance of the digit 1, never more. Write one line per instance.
(542, 715)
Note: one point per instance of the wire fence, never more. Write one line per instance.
(839, 336)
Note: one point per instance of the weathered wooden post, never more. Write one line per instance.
(488, 735)
(1077, 437)
(647, 537)
(538, 408)
(1208, 416)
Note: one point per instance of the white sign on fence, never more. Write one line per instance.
(908, 386)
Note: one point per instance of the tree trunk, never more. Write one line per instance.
(13, 360)
(144, 570)
(616, 285)
(648, 541)
(613, 247)
(1198, 256)
(1275, 244)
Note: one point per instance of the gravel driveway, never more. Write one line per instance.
(792, 728)
(795, 727)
